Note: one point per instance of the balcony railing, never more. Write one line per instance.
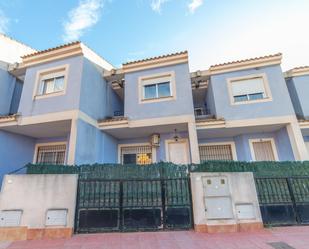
(203, 113)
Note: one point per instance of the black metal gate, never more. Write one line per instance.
(283, 200)
(133, 205)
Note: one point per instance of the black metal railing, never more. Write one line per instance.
(133, 205)
(283, 200)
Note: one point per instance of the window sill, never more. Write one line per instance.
(153, 100)
(252, 101)
(54, 94)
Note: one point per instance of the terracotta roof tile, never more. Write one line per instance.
(51, 49)
(156, 57)
(246, 60)
(299, 68)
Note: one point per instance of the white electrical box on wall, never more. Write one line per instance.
(10, 218)
(218, 208)
(56, 217)
(216, 186)
(245, 211)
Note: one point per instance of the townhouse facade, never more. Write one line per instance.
(68, 105)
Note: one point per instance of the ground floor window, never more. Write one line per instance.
(51, 154)
(216, 152)
(141, 155)
(263, 150)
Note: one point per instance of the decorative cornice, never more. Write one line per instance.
(60, 52)
(159, 61)
(297, 71)
(246, 64)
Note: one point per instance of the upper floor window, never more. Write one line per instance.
(249, 89)
(51, 82)
(51, 85)
(159, 90)
(159, 87)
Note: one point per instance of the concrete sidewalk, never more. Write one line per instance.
(295, 237)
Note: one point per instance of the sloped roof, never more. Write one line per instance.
(156, 57)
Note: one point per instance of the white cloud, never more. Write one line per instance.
(194, 4)
(4, 22)
(157, 4)
(84, 16)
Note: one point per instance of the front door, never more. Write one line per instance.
(178, 152)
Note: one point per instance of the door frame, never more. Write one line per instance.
(181, 140)
(273, 146)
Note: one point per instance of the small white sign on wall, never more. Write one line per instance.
(10, 218)
(56, 217)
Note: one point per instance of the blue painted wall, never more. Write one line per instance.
(183, 104)
(97, 98)
(299, 89)
(7, 85)
(69, 101)
(282, 142)
(16, 96)
(15, 152)
(161, 155)
(210, 101)
(281, 104)
(94, 146)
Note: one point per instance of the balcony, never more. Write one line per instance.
(203, 113)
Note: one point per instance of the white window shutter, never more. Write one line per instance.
(56, 217)
(249, 86)
(10, 218)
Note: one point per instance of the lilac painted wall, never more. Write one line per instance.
(183, 105)
(298, 89)
(280, 105)
(282, 142)
(68, 101)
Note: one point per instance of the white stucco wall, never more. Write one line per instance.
(241, 189)
(35, 194)
(12, 50)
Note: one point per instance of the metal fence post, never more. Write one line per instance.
(289, 182)
(163, 202)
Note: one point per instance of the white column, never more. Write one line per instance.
(72, 142)
(195, 155)
(297, 141)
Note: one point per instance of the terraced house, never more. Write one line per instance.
(68, 105)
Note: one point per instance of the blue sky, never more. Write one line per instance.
(213, 31)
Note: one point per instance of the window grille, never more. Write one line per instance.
(216, 152)
(263, 151)
(51, 154)
(136, 155)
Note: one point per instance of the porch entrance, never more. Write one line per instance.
(177, 151)
(153, 203)
(283, 200)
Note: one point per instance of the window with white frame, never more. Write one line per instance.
(157, 87)
(51, 154)
(51, 81)
(248, 89)
(263, 150)
(141, 155)
(158, 90)
(51, 85)
(216, 152)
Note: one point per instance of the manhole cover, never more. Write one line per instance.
(280, 245)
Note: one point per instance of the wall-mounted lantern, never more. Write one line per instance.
(155, 140)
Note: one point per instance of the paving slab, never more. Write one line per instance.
(274, 238)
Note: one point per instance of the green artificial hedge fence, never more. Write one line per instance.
(169, 170)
